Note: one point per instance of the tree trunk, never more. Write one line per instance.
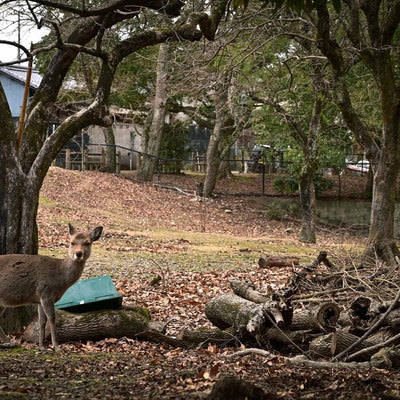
(153, 134)
(248, 319)
(381, 146)
(230, 310)
(19, 193)
(381, 240)
(219, 143)
(308, 207)
(336, 342)
(110, 151)
(310, 144)
(204, 336)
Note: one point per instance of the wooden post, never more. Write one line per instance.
(68, 159)
(118, 162)
(102, 158)
(85, 163)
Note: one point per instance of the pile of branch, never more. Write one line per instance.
(322, 314)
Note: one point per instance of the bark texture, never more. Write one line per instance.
(153, 133)
(375, 39)
(222, 132)
(97, 325)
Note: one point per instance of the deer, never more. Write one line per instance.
(42, 280)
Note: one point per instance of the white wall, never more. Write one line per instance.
(126, 136)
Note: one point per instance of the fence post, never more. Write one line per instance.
(67, 158)
(85, 164)
(102, 158)
(118, 162)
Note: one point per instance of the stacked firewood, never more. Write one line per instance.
(348, 314)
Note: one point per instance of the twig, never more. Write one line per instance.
(319, 299)
(185, 192)
(251, 350)
(323, 292)
(303, 361)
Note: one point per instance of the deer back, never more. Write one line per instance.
(24, 277)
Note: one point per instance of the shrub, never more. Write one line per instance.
(288, 185)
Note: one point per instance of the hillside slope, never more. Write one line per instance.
(120, 204)
(124, 205)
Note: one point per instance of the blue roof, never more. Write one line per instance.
(18, 73)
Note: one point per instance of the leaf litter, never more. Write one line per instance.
(131, 369)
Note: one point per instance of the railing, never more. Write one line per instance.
(85, 161)
(132, 159)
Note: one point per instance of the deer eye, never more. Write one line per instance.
(87, 243)
(72, 243)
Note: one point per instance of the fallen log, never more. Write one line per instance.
(278, 261)
(302, 361)
(336, 342)
(297, 340)
(229, 310)
(372, 328)
(393, 319)
(97, 325)
(247, 291)
(363, 311)
(381, 335)
(317, 318)
(387, 357)
(246, 317)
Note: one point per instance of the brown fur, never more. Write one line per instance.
(35, 279)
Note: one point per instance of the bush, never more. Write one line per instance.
(285, 185)
(289, 185)
(283, 208)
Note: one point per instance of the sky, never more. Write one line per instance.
(27, 36)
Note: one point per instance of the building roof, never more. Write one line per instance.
(18, 73)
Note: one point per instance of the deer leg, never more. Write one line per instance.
(42, 325)
(3, 336)
(48, 308)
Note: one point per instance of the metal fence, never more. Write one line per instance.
(130, 159)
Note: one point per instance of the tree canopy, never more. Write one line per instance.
(108, 32)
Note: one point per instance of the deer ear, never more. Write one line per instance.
(96, 233)
(71, 229)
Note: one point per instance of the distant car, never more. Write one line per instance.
(360, 168)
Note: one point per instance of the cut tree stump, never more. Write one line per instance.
(96, 325)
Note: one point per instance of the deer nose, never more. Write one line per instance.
(79, 254)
